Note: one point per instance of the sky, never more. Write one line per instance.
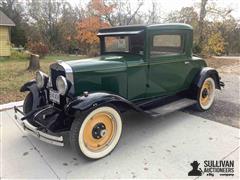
(170, 5)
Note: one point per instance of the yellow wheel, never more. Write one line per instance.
(99, 132)
(206, 94)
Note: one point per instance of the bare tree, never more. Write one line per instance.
(45, 15)
(202, 16)
(134, 13)
(124, 13)
(153, 16)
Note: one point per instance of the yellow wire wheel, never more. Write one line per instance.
(207, 93)
(100, 132)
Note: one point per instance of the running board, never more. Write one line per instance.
(171, 107)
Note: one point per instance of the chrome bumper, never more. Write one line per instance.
(55, 140)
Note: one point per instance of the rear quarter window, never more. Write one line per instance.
(166, 44)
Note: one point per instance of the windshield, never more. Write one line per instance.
(133, 44)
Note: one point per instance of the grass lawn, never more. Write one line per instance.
(14, 73)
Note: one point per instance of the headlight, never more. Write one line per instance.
(62, 85)
(41, 79)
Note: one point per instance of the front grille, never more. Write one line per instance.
(55, 72)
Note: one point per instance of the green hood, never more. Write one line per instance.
(98, 63)
(106, 73)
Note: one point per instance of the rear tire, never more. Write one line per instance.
(96, 134)
(205, 95)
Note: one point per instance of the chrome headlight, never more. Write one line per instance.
(41, 79)
(62, 85)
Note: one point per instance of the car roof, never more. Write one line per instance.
(140, 28)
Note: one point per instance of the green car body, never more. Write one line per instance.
(136, 77)
(149, 69)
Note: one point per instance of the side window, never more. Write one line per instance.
(166, 44)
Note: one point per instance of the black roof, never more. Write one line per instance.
(138, 28)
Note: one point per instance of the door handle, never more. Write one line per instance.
(186, 62)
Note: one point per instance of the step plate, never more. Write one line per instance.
(171, 107)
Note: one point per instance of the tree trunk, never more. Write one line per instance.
(34, 62)
(202, 16)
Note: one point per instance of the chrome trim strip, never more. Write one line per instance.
(69, 73)
(54, 140)
(68, 70)
(29, 126)
(56, 143)
(48, 136)
(119, 33)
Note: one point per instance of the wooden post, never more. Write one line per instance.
(34, 62)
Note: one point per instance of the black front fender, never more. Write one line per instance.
(32, 87)
(27, 86)
(208, 72)
(93, 100)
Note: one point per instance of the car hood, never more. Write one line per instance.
(98, 63)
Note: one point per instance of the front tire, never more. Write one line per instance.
(28, 107)
(96, 135)
(206, 94)
(28, 103)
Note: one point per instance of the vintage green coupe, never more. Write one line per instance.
(149, 69)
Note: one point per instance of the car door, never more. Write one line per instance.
(137, 78)
(137, 67)
(168, 63)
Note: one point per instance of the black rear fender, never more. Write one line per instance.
(208, 72)
(199, 79)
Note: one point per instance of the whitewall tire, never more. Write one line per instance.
(206, 94)
(98, 133)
